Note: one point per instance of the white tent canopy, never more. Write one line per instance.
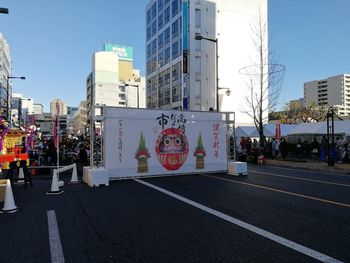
(244, 131)
(269, 130)
(317, 128)
(340, 127)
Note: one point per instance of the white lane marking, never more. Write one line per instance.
(281, 191)
(285, 242)
(302, 178)
(54, 238)
(304, 170)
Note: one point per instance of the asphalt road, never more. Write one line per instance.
(194, 218)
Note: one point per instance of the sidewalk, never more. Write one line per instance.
(338, 168)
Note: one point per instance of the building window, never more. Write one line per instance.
(164, 97)
(176, 71)
(180, 24)
(166, 15)
(176, 93)
(161, 59)
(175, 7)
(149, 67)
(197, 18)
(160, 5)
(154, 10)
(154, 63)
(154, 46)
(149, 33)
(122, 96)
(167, 55)
(149, 50)
(160, 41)
(160, 21)
(175, 50)
(167, 76)
(167, 35)
(149, 17)
(154, 27)
(160, 79)
(175, 29)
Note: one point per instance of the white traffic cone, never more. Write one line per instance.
(55, 190)
(20, 176)
(9, 204)
(74, 179)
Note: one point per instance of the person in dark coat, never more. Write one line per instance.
(23, 165)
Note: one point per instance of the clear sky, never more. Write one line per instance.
(52, 42)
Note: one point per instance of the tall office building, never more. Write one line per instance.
(333, 91)
(181, 70)
(113, 80)
(5, 71)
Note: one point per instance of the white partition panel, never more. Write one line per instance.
(141, 142)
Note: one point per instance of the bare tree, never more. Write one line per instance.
(263, 80)
(310, 113)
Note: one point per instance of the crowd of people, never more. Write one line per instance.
(250, 150)
(71, 150)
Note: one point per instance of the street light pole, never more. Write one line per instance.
(4, 10)
(8, 114)
(198, 36)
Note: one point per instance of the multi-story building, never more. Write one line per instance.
(16, 107)
(5, 71)
(22, 110)
(45, 124)
(70, 119)
(38, 109)
(195, 50)
(295, 105)
(60, 104)
(113, 81)
(333, 91)
(80, 119)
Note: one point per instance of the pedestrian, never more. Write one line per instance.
(23, 164)
(283, 147)
(274, 148)
(339, 150)
(315, 148)
(346, 152)
(299, 149)
(255, 151)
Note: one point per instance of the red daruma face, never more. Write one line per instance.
(171, 148)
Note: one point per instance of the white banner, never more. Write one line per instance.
(139, 142)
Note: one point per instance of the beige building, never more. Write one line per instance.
(80, 119)
(61, 105)
(113, 80)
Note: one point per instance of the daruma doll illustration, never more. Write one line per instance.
(172, 148)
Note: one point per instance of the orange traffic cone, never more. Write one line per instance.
(9, 204)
